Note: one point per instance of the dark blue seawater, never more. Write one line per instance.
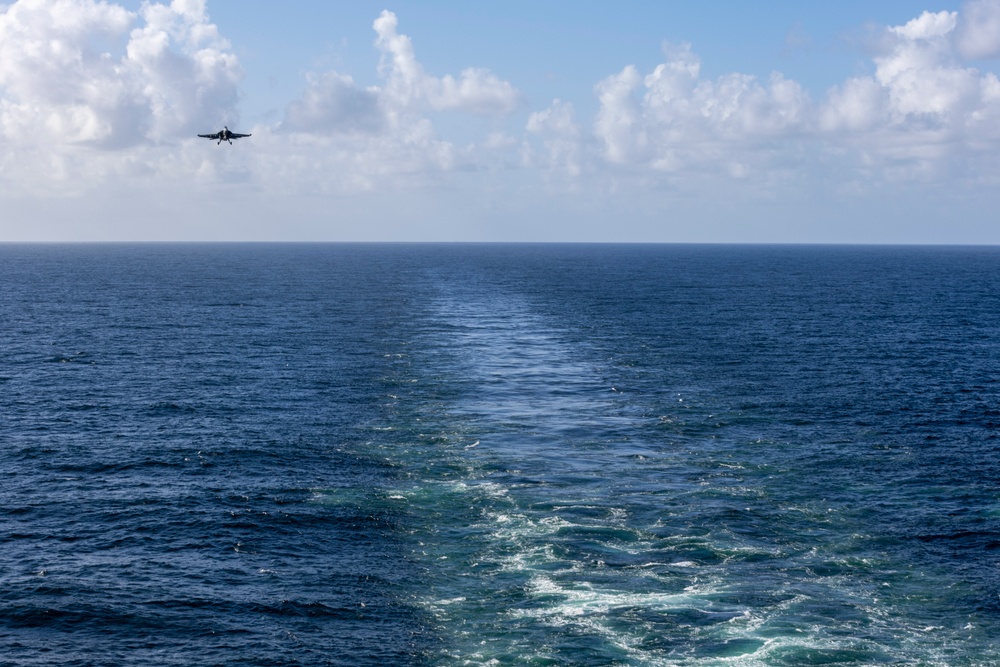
(499, 455)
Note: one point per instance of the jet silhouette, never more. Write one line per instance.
(224, 135)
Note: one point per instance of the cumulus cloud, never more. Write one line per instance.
(89, 76)
(922, 106)
(383, 131)
(333, 103)
(148, 83)
(919, 73)
(186, 69)
(854, 106)
(476, 90)
(672, 118)
(51, 80)
(977, 34)
(560, 135)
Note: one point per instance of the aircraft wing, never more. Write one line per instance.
(211, 136)
(233, 135)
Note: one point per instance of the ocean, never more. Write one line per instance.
(423, 454)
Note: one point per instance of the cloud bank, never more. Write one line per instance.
(920, 108)
(94, 96)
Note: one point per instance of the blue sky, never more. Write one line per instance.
(848, 122)
(559, 49)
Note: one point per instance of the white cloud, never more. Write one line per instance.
(408, 86)
(918, 71)
(332, 102)
(978, 31)
(376, 134)
(923, 115)
(920, 110)
(160, 73)
(94, 97)
(918, 83)
(856, 105)
(619, 121)
(183, 69)
(560, 135)
(149, 84)
(53, 82)
(672, 119)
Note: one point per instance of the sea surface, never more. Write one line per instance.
(451, 455)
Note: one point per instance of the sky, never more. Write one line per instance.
(559, 121)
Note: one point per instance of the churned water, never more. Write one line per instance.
(499, 455)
